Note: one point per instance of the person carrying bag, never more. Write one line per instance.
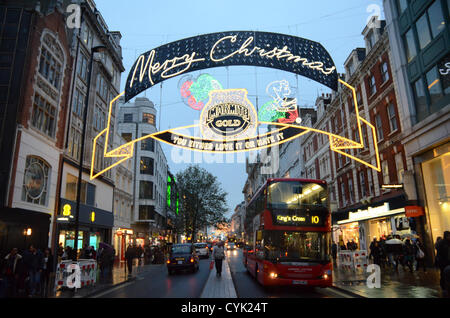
(219, 255)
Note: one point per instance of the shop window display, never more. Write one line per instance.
(436, 175)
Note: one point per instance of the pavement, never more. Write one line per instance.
(119, 276)
(220, 287)
(394, 284)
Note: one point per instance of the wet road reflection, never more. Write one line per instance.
(156, 283)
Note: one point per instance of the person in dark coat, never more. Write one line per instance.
(376, 253)
(130, 254)
(12, 270)
(420, 255)
(334, 251)
(47, 271)
(443, 253)
(408, 252)
(34, 262)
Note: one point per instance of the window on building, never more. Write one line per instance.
(436, 18)
(102, 87)
(401, 6)
(392, 117)
(127, 136)
(99, 118)
(384, 72)
(372, 85)
(128, 118)
(379, 127)
(74, 143)
(410, 45)
(344, 200)
(44, 116)
(148, 144)
(420, 99)
(385, 171)
(423, 31)
(370, 182)
(50, 67)
(35, 181)
(362, 183)
(78, 103)
(148, 118)
(147, 165)
(434, 85)
(146, 212)
(83, 67)
(146, 190)
(400, 167)
(351, 191)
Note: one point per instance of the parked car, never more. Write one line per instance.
(231, 246)
(202, 249)
(182, 257)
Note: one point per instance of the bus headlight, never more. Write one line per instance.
(273, 275)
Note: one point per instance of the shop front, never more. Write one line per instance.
(20, 228)
(95, 225)
(435, 171)
(378, 222)
(122, 237)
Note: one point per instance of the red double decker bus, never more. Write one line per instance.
(288, 233)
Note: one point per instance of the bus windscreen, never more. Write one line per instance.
(289, 246)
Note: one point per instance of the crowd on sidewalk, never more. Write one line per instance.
(391, 251)
(26, 273)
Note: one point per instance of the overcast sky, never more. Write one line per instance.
(147, 24)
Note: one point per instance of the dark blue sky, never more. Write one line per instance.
(147, 24)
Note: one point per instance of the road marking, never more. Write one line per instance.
(112, 290)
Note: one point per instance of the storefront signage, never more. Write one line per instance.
(414, 211)
(229, 122)
(370, 213)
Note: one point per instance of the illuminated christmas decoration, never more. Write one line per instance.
(195, 92)
(284, 52)
(228, 122)
(282, 108)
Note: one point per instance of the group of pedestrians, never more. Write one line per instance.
(392, 251)
(26, 274)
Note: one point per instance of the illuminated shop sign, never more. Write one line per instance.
(228, 121)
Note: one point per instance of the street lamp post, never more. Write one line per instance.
(94, 50)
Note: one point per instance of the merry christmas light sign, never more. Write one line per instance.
(228, 121)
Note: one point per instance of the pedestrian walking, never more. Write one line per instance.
(376, 253)
(372, 246)
(436, 247)
(140, 251)
(47, 271)
(34, 262)
(420, 255)
(444, 262)
(219, 255)
(130, 254)
(408, 252)
(11, 271)
(334, 251)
